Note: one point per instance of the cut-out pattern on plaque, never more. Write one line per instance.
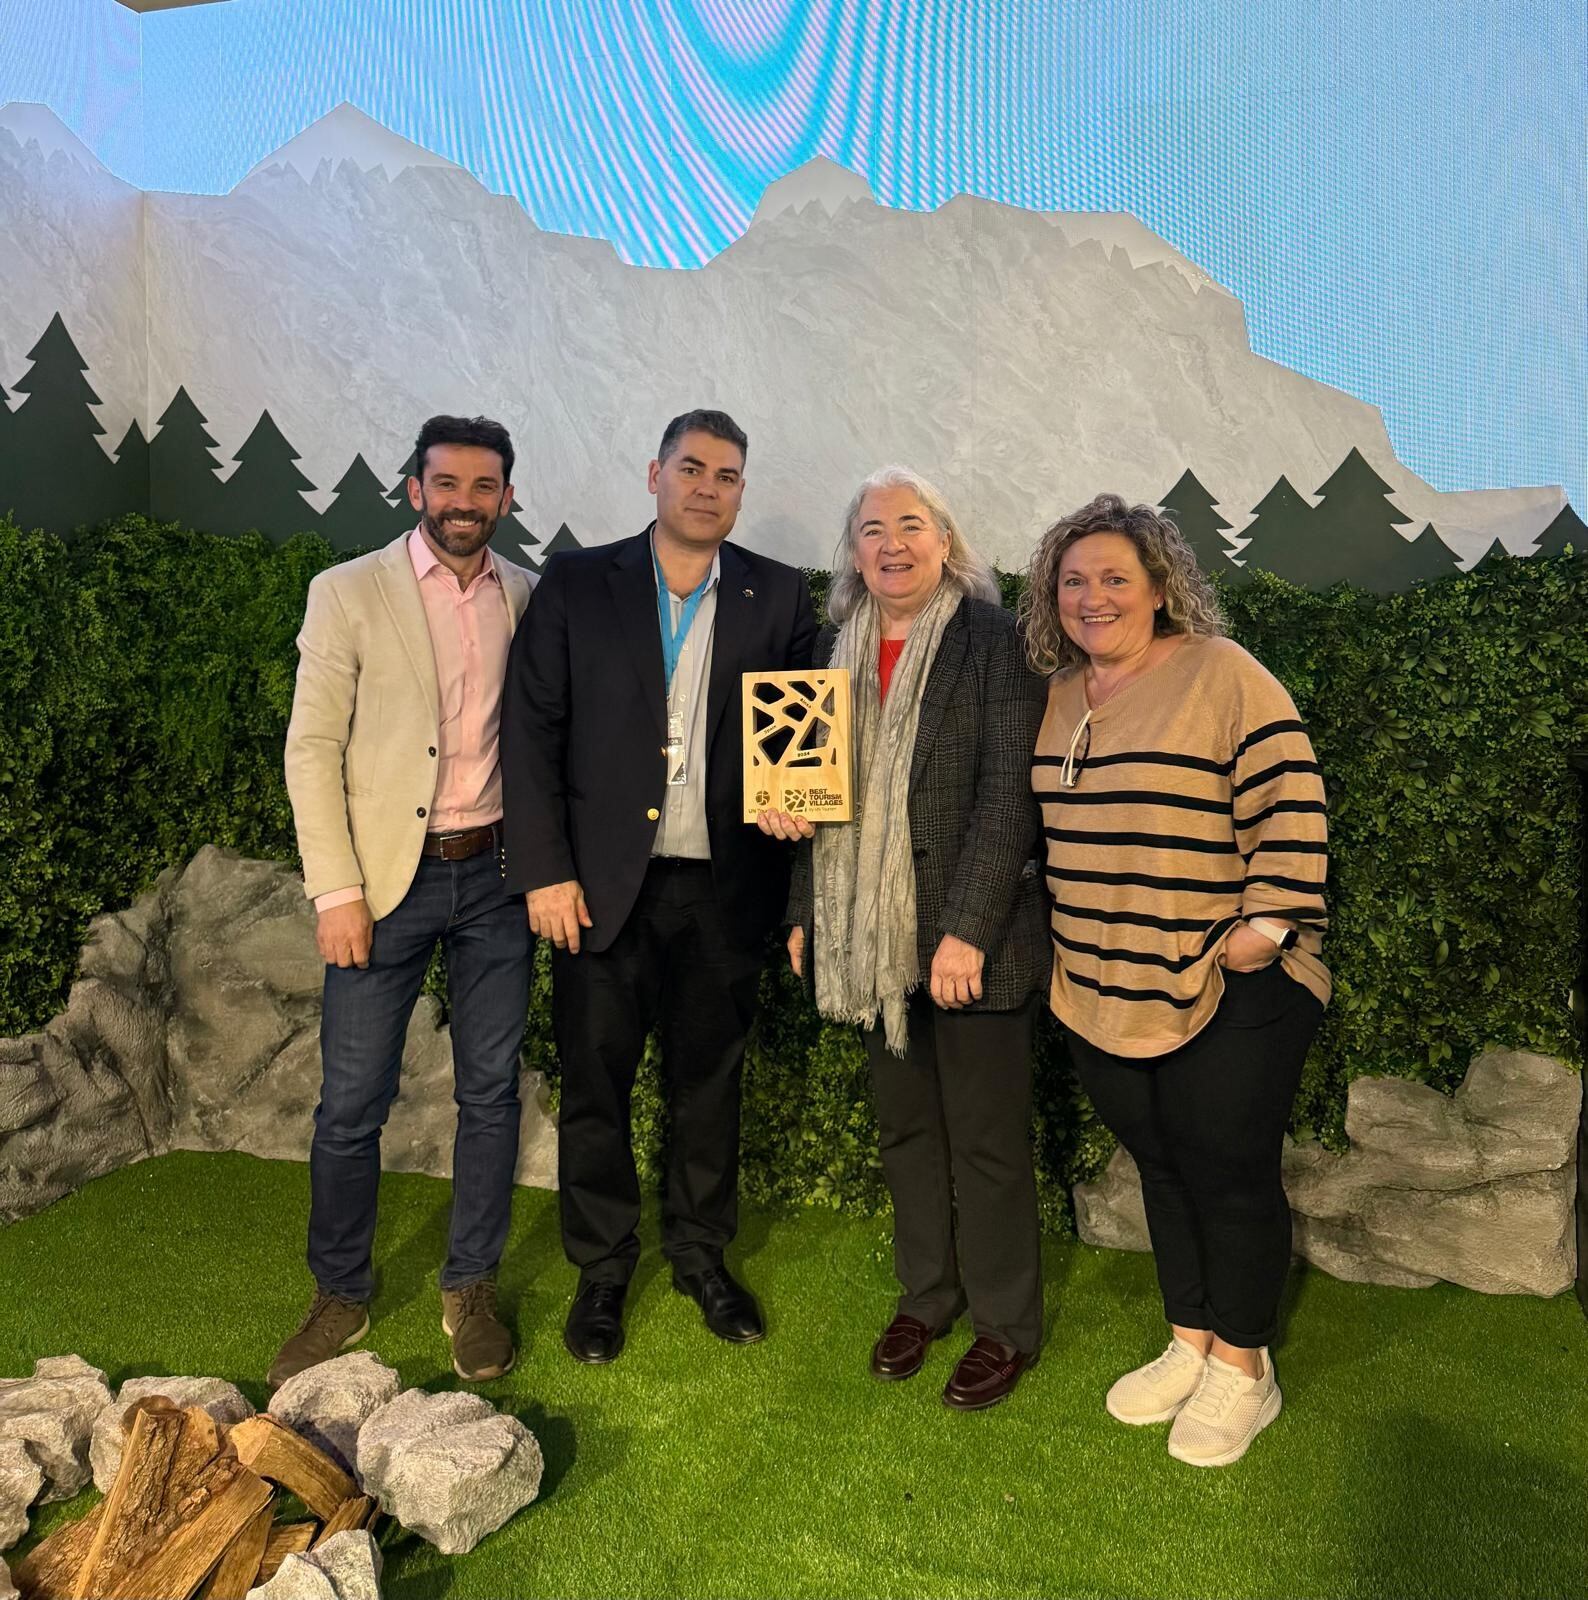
(797, 744)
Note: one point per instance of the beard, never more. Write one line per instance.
(459, 541)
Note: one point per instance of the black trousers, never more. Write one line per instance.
(1205, 1125)
(673, 967)
(955, 1119)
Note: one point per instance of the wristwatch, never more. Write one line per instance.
(1280, 933)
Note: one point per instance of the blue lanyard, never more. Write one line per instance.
(673, 639)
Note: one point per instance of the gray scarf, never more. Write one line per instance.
(863, 871)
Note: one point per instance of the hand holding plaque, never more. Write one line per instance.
(797, 746)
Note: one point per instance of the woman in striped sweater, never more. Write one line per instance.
(1184, 817)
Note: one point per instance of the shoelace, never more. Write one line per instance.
(1174, 1356)
(1215, 1393)
(477, 1299)
(323, 1303)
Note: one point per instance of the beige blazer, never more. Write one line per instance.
(361, 745)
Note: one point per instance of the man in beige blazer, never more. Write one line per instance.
(396, 790)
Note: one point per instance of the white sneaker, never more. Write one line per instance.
(1156, 1392)
(1225, 1414)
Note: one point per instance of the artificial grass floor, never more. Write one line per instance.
(1434, 1442)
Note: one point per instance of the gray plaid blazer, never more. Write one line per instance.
(975, 827)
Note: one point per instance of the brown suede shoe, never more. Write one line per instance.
(901, 1351)
(482, 1347)
(331, 1326)
(986, 1374)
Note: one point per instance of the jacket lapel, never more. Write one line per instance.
(632, 581)
(735, 617)
(399, 590)
(938, 694)
(515, 590)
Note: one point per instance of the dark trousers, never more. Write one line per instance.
(485, 939)
(675, 968)
(1205, 1125)
(954, 1114)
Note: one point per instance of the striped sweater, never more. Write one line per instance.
(1197, 801)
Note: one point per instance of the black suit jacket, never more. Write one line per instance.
(975, 827)
(584, 725)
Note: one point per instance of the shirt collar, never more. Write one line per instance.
(425, 560)
(712, 577)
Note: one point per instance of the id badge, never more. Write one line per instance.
(677, 750)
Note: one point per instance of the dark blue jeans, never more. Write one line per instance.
(484, 934)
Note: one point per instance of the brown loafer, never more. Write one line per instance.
(986, 1374)
(901, 1351)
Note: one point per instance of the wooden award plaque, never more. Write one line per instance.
(797, 754)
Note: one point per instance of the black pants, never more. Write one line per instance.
(1205, 1125)
(673, 967)
(955, 1118)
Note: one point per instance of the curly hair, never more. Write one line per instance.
(1189, 603)
(971, 571)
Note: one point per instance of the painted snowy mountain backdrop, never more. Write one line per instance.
(353, 283)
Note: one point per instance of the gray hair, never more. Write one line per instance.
(972, 572)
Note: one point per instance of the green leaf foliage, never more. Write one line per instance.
(146, 677)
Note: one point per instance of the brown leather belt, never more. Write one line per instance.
(460, 844)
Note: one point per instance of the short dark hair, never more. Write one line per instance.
(717, 423)
(479, 431)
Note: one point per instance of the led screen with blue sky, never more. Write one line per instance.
(1394, 191)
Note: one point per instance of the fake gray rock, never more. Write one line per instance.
(346, 1567)
(88, 1094)
(244, 1032)
(1108, 1210)
(53, 1413)
(224, 1401)
(194, 1025)
(448, 1466)
(21, 1478)
(8, 1590)
(328, 1404)
(1474, 1188)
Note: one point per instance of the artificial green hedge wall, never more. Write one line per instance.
(146, 676)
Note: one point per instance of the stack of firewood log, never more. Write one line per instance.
(196, 1511)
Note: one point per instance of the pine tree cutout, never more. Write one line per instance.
(183, 486)
(264, 494)
(512, 539)
(560, 541)
(59, 475)
(1352, 535)
(360, 516)
(1280, 525)
(132, 470)
(398, 493)
(1494, 556)
(1195, 512)
(1419, 560)
(1567, 529)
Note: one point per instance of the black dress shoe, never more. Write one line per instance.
(594, 1329)
(986, 1374)
(901, 1351)
(728, 1307)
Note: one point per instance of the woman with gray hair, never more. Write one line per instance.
(923, 921)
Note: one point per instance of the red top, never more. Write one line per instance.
(887, 660)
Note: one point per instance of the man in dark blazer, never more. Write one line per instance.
(622, 773)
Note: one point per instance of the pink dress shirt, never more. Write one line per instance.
(470, 631)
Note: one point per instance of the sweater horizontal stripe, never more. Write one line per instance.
(1197, 800)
